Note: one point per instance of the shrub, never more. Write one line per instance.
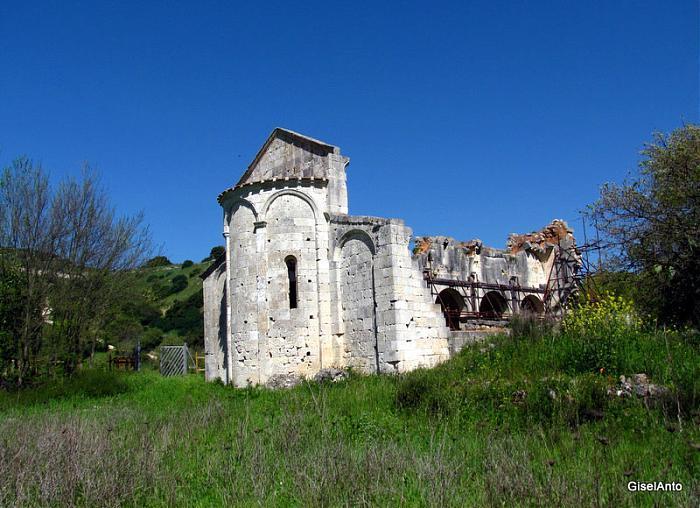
(598, 335)
(160, 290)
(187, 263)
(412, 392)
(217, 252)
(185, 318)
(178, 283)
(195, 271)
(611, 316)
(157, 261)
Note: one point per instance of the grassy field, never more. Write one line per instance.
(516, 421)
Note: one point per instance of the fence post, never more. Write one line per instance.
(137, 356)
(185, 352)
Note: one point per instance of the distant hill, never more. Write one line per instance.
(163, 305)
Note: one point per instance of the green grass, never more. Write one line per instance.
(456, 435)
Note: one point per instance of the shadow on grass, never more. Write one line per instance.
(88, 383)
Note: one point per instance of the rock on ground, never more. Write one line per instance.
(332, 374)
(283, 381)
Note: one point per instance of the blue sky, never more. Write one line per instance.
(469, 119)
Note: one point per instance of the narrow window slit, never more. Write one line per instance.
(291, 263)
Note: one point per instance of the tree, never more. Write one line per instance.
(11, 305)
(651, 226)
(215, 253)
(28, 238)
(72, 252)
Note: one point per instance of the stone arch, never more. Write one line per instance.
(305, 197)
(234, 205)
(357, 234)
(292, 335)
(291, 233)
(452, 303)
(532, 305)
(493, 305)
(355, 265)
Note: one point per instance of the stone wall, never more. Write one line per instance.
(243, 289)
(214, 288)
(387, 308)
(292, 338)
(471, 261)
(452, 259)
(545, 259)
(357, 298)
(267, 224)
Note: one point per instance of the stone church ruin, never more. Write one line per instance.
(305, 286)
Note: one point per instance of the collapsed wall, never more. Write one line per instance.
(535, 273)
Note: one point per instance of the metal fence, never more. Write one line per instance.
(173, 360)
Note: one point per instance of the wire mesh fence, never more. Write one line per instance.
(173, 360)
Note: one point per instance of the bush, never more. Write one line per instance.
(160, 290)
(195, 271)
(412, 392)
(186, 319)
(187, 263)
(178, 283)
(157, 261)
(612, 316)
(597, 335)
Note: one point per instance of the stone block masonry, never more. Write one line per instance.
(305, 286)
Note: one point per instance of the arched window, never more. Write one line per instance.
(532, 305)
(493, 305)
(452, 304)
(291, 262)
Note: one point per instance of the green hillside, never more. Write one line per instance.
(163, 305)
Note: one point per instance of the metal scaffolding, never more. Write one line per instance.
(476, 300)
